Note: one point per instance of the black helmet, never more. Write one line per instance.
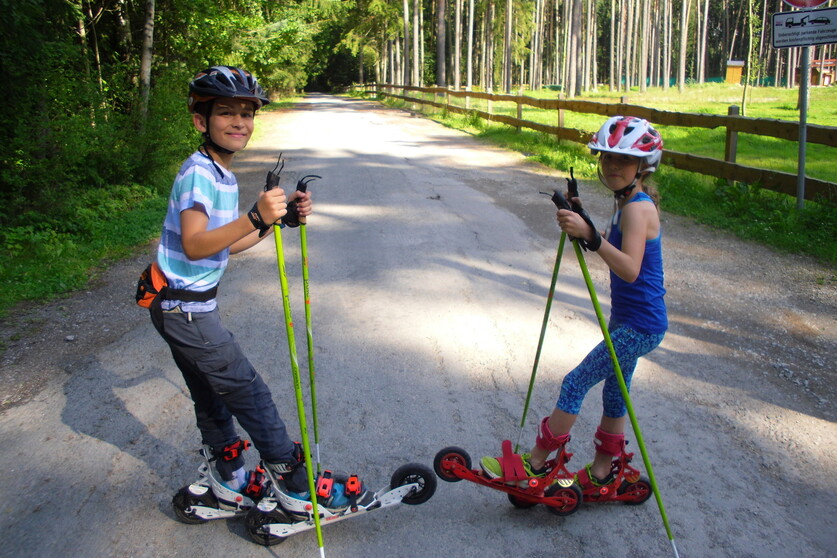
(225, 81)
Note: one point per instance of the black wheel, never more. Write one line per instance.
(451, 454)
(415, 473)
(638, 491)
(572, 496)
(520, 502)
(184, 500)
(256, 519)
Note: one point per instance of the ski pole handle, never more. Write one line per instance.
(272, 179)
(302, 184)
(572, 185)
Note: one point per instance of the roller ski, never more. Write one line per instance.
(283, 513)
(210, 498)
(560, 490)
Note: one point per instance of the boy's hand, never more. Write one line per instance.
(299, 207)
(270, 207)
(304, 205)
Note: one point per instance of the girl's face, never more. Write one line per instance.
(618, 170)
(231, 123)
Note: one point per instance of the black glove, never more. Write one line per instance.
(594, 244)
(291, 218)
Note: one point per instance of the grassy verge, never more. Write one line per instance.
(49, 255)
(753, 150)
(748, 212)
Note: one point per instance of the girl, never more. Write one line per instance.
(629, 151)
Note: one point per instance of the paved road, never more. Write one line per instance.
(430, 257)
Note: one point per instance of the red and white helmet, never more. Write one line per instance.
(629, 135)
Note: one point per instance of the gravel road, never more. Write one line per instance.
(430, 258)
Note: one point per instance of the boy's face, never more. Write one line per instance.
(231, 123)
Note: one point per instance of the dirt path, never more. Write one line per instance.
(432, 256)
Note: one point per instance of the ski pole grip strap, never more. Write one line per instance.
(596, 243)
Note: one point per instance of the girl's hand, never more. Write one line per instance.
(574, 225)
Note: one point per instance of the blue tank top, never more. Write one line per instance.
(640, 304)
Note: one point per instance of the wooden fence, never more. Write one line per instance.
(815, 189)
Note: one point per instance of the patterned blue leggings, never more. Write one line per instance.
(629, 344)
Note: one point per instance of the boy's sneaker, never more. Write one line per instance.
(493, 469)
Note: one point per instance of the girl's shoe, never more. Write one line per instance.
(587, 480)
(492, 467)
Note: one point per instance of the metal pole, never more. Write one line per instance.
(803, 123)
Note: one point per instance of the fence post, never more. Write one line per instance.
(490, 102)
(519, 108)
(731, 143)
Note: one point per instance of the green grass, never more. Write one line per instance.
(747, 211)
(756, 151)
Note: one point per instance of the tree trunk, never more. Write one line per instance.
(145, 61)
(470, 78)
(574, 88)
(630, 35)
(406, 64)
(418, 44)
(507, 48)
(612, 44)
(644, 31)
(684, 39)
(440, 43)
(457, 46)
(667, 44)
(749, 63)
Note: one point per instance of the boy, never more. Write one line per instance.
(202, 228)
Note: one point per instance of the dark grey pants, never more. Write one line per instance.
(223, 385)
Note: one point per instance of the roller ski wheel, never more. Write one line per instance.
(185, 500)
(570, 498)
(414, 473)
(521, 503)
(635, 493)
(256, 520)
(446, 459)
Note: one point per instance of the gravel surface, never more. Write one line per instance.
(431, 257)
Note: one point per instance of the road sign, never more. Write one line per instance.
(804, 28)
(805, 3)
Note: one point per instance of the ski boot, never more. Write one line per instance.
(209, 498)
(623, 483)
(284, 511)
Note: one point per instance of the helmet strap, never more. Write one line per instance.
(203, 149)
(207, 138)
(623, 193)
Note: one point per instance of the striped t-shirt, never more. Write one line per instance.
(203, 184)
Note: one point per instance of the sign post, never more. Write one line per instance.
(804, 29)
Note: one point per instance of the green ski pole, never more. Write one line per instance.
(546, 312)
(300, 406)
(624, 388)
(302, 186)
(572, 186)
(273, 182)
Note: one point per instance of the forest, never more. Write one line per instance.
(95, 89)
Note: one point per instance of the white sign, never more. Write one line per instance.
(804, 28)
